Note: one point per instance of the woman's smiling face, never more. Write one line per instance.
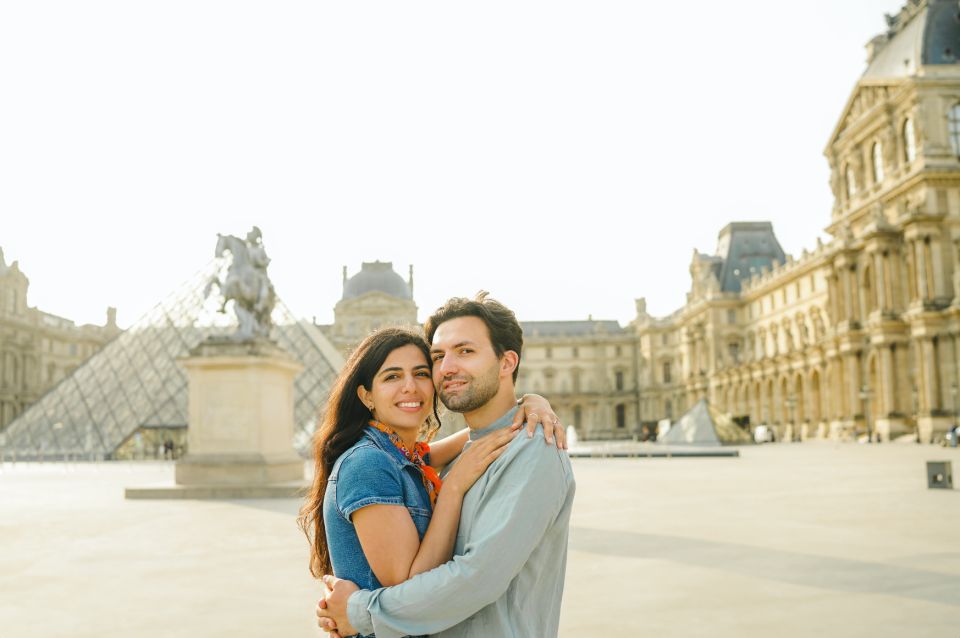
(402, 392)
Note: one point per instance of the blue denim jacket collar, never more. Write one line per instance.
(502, 422)
(383, 442)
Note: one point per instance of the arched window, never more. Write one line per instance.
(909, 141)
(877, 153)
(851, 181)
(953, 126)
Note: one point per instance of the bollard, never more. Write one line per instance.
(939, 475)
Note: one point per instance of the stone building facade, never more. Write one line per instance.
(588, 369)
(859, 336)
(38, 349)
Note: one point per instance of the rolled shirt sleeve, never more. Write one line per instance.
(523, 496)
(367, 477)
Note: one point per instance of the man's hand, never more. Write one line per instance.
(332, 610)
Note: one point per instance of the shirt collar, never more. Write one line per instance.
(383, 442)
(502, 422)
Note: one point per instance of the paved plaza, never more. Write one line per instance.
(813, 539)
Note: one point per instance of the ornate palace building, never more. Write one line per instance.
(858, 337)
(38, 349)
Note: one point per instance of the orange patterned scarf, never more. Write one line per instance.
(429, 476)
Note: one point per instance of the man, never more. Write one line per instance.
(506, 577)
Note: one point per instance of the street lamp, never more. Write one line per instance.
(916, 412)
(953, 391)
(865, 397)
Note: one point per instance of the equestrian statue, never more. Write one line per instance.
(246, 284)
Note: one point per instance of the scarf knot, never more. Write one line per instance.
(431, 480)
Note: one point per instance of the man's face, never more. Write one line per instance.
(466, 370)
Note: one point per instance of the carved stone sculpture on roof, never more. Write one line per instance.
(845, 235)
(890, 147)
(835, 181)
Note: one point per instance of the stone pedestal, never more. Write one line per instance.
(240, 434)
(842, 430)
(933, 428)
(823, 430)
(888, 429)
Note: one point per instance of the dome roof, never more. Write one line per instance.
(376, 276)
(923, 33)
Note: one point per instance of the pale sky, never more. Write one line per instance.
(566, 156)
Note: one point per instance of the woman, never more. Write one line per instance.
(376, 513)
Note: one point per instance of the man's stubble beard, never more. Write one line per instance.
(480, 390)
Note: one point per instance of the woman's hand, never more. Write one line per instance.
(478, 456)
(535, 409)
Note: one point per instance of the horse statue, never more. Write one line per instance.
(246, 284)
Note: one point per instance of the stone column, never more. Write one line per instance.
(920, 262)
(928, 376)
(881, 282)
(854, 381)
(936, 266)
(847, 295)
(892, 273)
(833, 293)
(888, 402)
(910, 254)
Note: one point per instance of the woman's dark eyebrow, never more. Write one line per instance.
(399, 369)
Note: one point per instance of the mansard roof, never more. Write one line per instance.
(570, 328)
(923, 33)
(745, 248)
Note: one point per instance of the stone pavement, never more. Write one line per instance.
(812, 539)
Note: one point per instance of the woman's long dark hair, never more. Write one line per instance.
(344, 420)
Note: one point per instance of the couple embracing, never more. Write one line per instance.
(465, 536)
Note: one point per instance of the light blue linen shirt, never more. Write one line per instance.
(506, 576)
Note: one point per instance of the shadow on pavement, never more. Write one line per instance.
(822, 572)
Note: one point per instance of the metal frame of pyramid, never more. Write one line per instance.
(703, 425)
(135, 379)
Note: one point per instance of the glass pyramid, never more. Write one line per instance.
(135, 381)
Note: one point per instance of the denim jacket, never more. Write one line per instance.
(373, 471)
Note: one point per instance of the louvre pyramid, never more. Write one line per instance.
(135, 380)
